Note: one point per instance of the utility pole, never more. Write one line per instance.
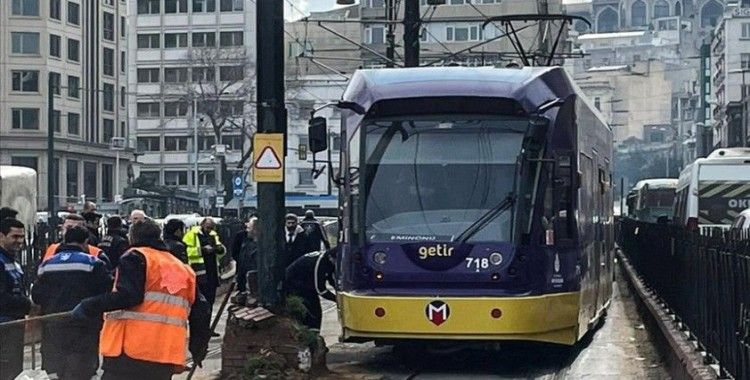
(411, 33)
(271, 119)
(544, 52)
(390, 38)
(51, 172)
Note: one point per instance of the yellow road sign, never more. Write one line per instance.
(268, 157)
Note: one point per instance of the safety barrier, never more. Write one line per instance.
(704, 279)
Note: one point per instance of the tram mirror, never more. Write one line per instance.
(318, 134)
(536, 135)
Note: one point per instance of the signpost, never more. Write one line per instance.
(268, 151)
(238, 184)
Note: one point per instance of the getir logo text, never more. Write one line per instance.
(441, 250)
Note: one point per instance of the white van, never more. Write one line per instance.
(652, 198)
(712, 191)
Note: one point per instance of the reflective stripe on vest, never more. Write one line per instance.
(148, 317)
(167, 298)
(92, 251)
(67, 267)
(12, 266)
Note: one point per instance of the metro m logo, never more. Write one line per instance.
(437, 312)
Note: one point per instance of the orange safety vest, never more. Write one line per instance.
(93, 251)
(156, 329)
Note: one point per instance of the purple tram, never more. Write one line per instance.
(475, 205)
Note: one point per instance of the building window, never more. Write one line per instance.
(148, 41)
(73, 87)
(305, 177)
(107, 180)
(231, 5)
(466, 33)
(373, 3)
(231, 73)
(204, 39)
(638, 14)
(335, 142)
(109, 61)
(424, 35)
(175, 109)
(233, 142)
(176, 74)
(74, 13)
(200, 6)
(122, 61)
(122, 97)
(71, 177)
(24, 8)
(56, 121)
(711, 13)
(204, 74)
(175, 178)
(123, 132)
(148, 75)
(745, 60)
(54, 9)
(26, 162)
(148, 144)
(108, 130)
(89, 185)
(206, 142)
(54, 46)
(74, 48)
(123, 26)
(56, 82)
(175, 40)
(150, 176)
(746, 30)
(175, 144)
(375, 34)
(231, 39)
(232, 107)
(175, 6)
(148, 110)
(109, 26)
(25, 118)
(207, 177)
(598, 103)
(74, 123)
(108, 98)
(24, 43)
(148, 7)
(25, 81)
(109, 2)
(661, 9)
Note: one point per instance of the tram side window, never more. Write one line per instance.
(562, 207)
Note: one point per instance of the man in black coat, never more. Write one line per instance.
(314, 233)
(307, 278)
(174, 230)
(244, 252)
(294, 238)
(14, 304)
(115, 242)
(70, 276)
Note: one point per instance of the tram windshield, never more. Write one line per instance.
(432, 177)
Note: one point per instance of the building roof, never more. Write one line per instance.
(602, 36)
(607, 68)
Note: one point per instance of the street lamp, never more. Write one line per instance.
(117, 144)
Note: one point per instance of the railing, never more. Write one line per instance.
(704, 279)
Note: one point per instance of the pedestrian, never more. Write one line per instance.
(63, 281)
(174, 231)
(14, 304)
(70, 221)
(244, 252)
(115, 242)
(92, 219)
(155, 303)
(205, 251)
(295, 239)
(137, 216)
(7, 212)
(314, 233)
(307, 278)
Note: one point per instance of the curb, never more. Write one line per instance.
(682, 359)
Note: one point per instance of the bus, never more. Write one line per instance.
(712, 191)
(476, 206)
(652, 199)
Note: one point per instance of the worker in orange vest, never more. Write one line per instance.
(155, 299)
(70, 221)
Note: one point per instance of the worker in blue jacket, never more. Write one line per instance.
(14, 304)
(69, 277)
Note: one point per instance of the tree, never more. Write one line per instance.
(220, 86)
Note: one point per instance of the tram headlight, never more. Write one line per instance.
(496, 258)
(379, 257)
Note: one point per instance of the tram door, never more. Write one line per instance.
(589, 245)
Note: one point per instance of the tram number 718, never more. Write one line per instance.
(477, 263)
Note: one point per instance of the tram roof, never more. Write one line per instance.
(530, 86)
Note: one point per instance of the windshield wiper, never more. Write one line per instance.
(485, 219)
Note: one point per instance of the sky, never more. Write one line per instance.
(307, 6)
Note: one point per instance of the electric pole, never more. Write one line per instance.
(544, 52)
(390, 38)
(51, 172)
(411, 33)
(271, 119)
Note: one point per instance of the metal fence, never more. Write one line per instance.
(704, 279)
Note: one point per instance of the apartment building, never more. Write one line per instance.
(77, 50)
(192, 70)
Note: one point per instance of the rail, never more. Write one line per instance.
(704, 280)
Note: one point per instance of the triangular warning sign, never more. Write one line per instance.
(268, 159)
